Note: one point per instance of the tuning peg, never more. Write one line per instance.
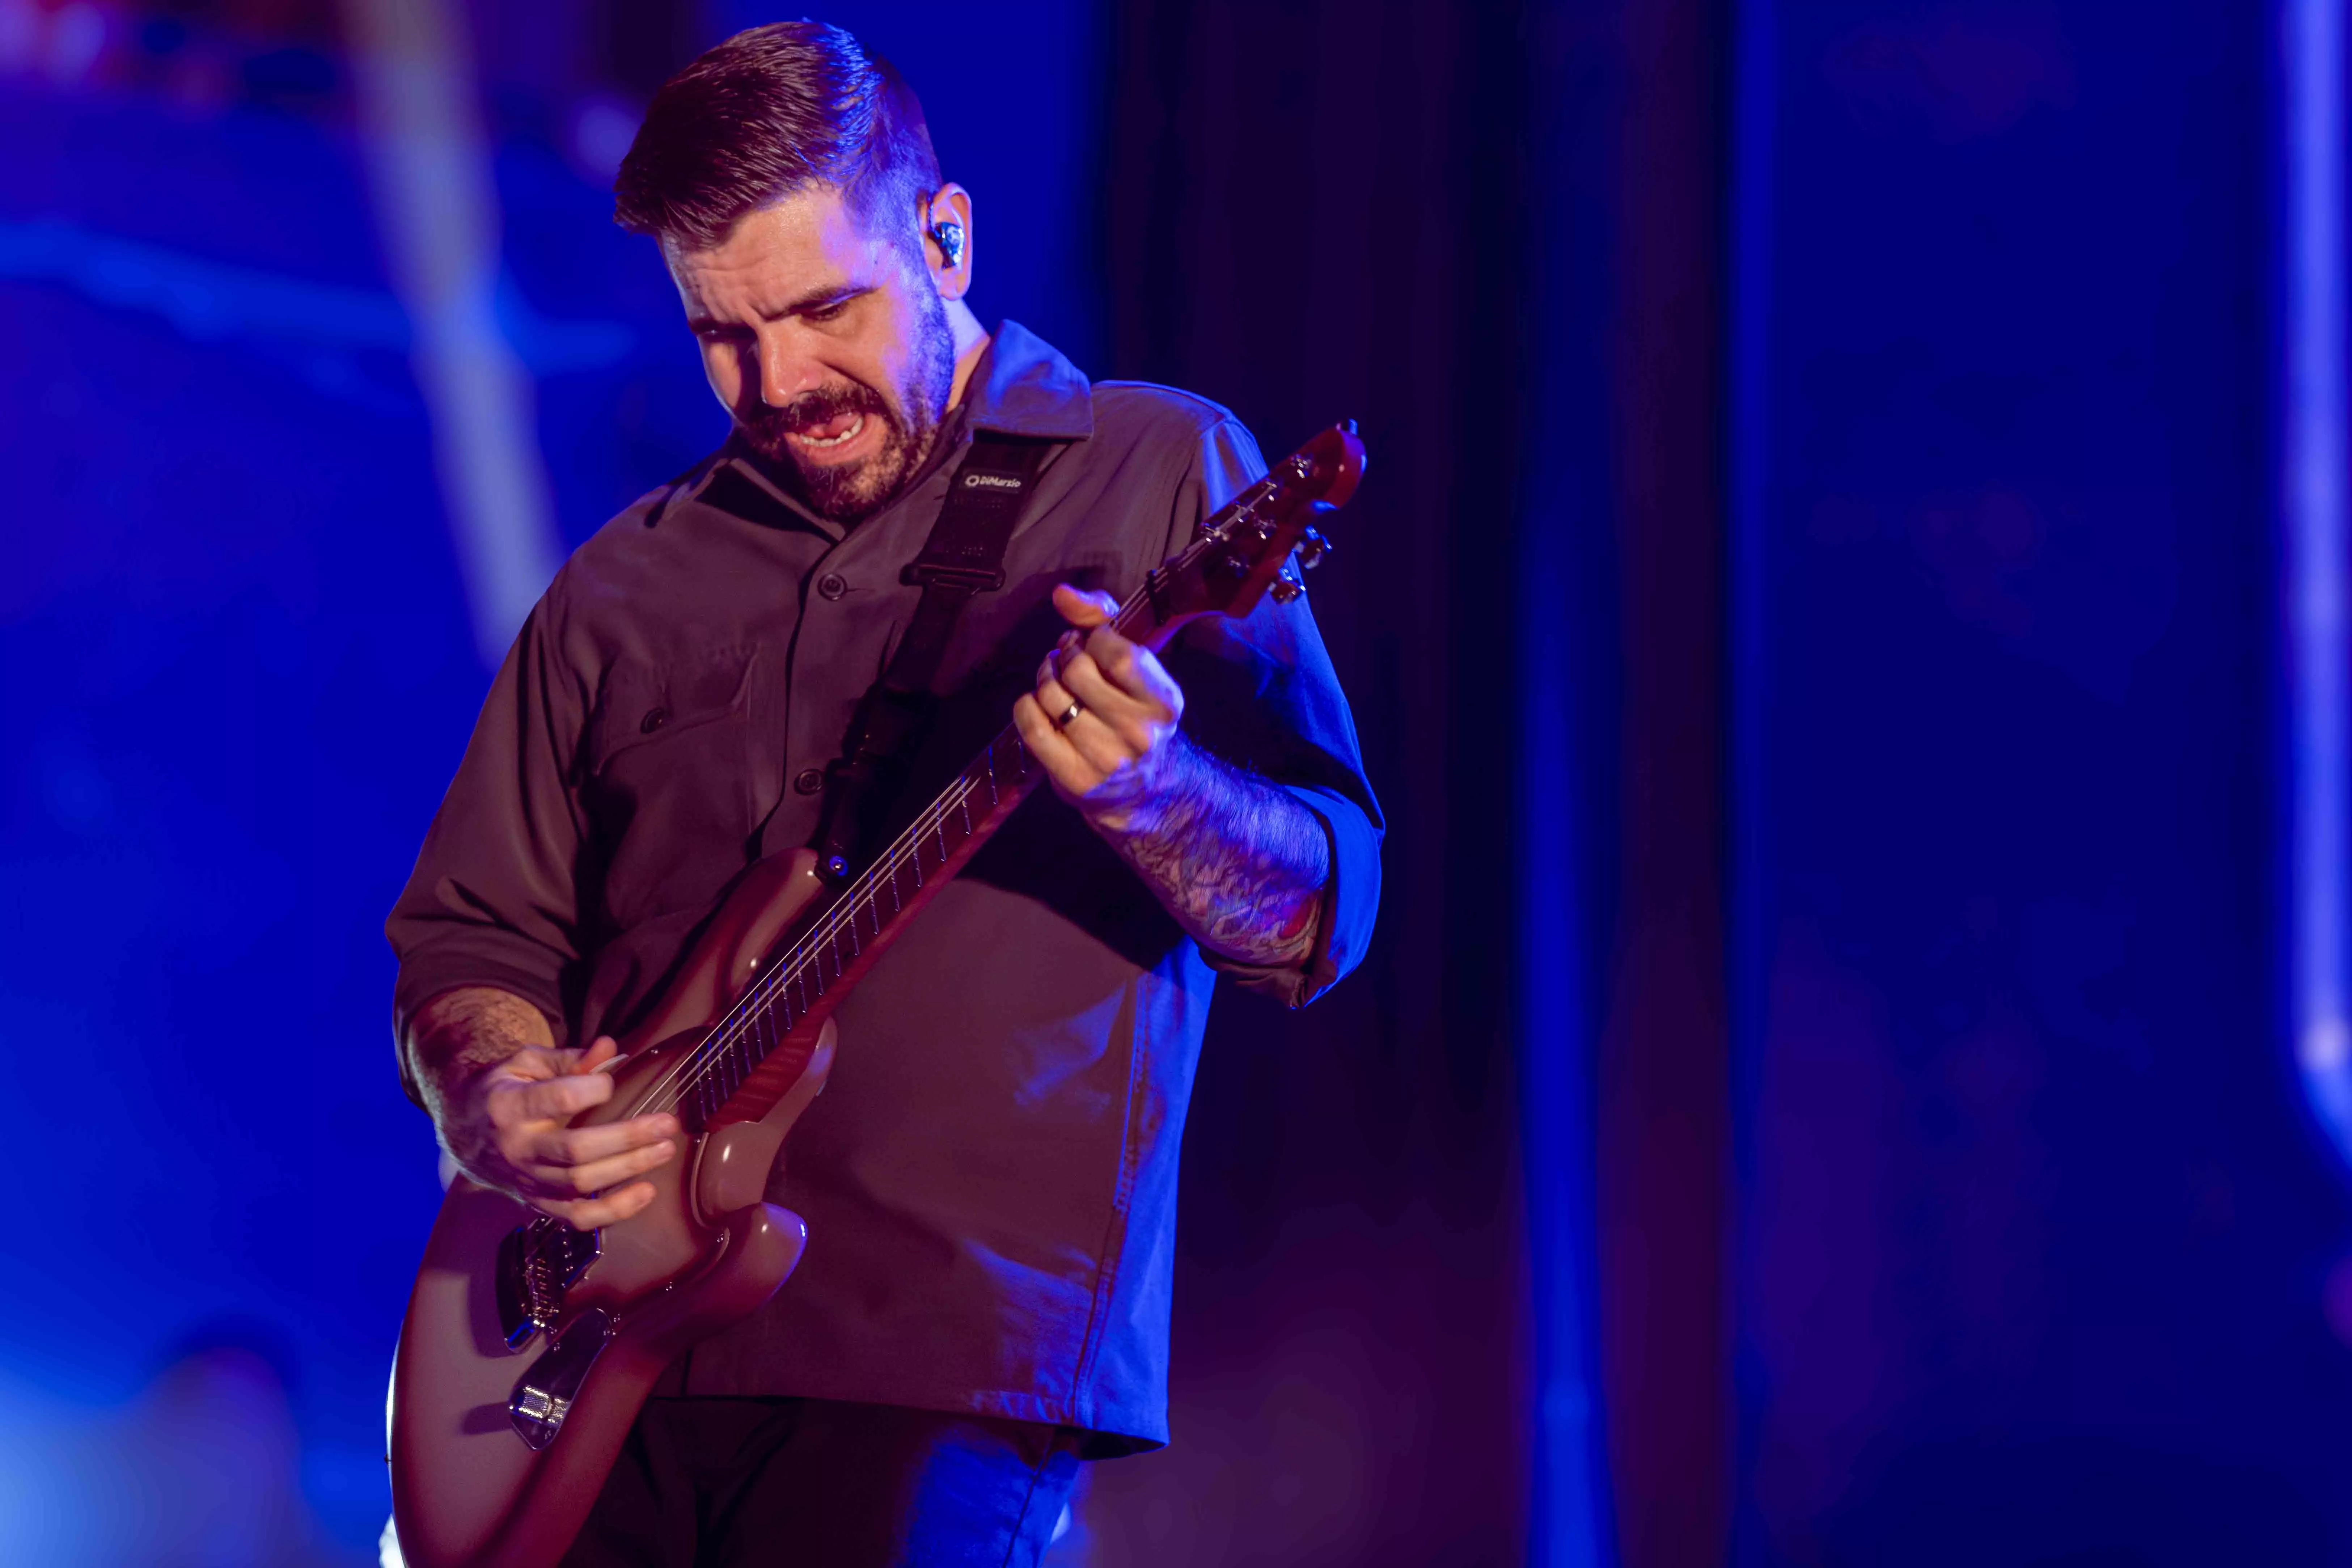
(1312, 548)
(1286, 589)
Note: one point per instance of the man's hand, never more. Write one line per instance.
(1103, 718)
(500, 1092)
(1240, 863)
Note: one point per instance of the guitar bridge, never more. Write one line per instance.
(542, 1396)
(537, 1263)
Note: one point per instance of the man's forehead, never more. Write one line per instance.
(810, 238)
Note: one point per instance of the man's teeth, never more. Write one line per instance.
(855, 426)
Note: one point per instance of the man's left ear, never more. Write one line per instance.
(947, 240)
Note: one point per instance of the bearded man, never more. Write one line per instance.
(989, 1178)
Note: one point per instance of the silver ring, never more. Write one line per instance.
(1072, 711)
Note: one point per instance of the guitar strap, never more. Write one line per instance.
(963, 556)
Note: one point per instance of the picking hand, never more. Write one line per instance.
(512, 1136)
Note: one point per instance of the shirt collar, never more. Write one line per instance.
(1022, 386)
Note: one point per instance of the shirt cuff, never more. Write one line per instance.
(1350, 895)
(425, 975)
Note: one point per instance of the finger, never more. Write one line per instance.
(605, 1209)
(1054, 698)
(600, 1175)
(530, 1064)
(583, 1145)
(1134, 670)
(1135, 717)
(1070, 772)
(1068, 643)
(603, 1050)
(552, 1100)
(1082, 608)
(1103, 747)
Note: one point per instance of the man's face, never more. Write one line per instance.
(829, 344)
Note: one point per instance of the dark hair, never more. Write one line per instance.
(770, 111)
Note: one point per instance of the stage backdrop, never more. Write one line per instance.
(2034, 1231)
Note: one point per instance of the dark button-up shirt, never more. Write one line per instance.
(989, 1178)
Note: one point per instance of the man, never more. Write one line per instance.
(989, 1179)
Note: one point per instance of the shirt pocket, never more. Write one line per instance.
(669, 785)
(644, 706)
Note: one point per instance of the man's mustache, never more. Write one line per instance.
(817, 406)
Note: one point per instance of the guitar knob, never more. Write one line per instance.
(1286, 589)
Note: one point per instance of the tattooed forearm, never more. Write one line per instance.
(1239, 862)
(459, 1032)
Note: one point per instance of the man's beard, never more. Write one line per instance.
(851, 492)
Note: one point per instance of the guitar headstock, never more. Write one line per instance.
(1246, 550)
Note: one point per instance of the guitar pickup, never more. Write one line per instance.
(537, 1263)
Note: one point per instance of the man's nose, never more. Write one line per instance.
(786, 370)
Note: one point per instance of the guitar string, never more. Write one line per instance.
(685, 1076)
(788, 970)
(693, 1071)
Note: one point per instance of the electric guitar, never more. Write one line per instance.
(529, 1346)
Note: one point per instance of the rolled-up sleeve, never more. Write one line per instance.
(494, 899)
(1260, 692)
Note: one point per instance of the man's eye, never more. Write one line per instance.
(824, 313)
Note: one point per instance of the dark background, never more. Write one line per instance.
(1821, 1092)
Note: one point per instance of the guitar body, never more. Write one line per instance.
(530, 1347)
(468, 1489)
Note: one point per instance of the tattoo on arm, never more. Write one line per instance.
(459, 1032)
(1241, 863)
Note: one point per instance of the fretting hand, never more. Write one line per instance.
(1239, 862)
(1103, 718)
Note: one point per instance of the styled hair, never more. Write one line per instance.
(774, 111)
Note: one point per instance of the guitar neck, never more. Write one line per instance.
(1233, 556)
(803, 983)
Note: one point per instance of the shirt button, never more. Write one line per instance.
(653, 720)
(808, 781)
(832, 585)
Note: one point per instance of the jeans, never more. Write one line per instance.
(813, 1483)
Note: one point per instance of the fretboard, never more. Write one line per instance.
(805, 978)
